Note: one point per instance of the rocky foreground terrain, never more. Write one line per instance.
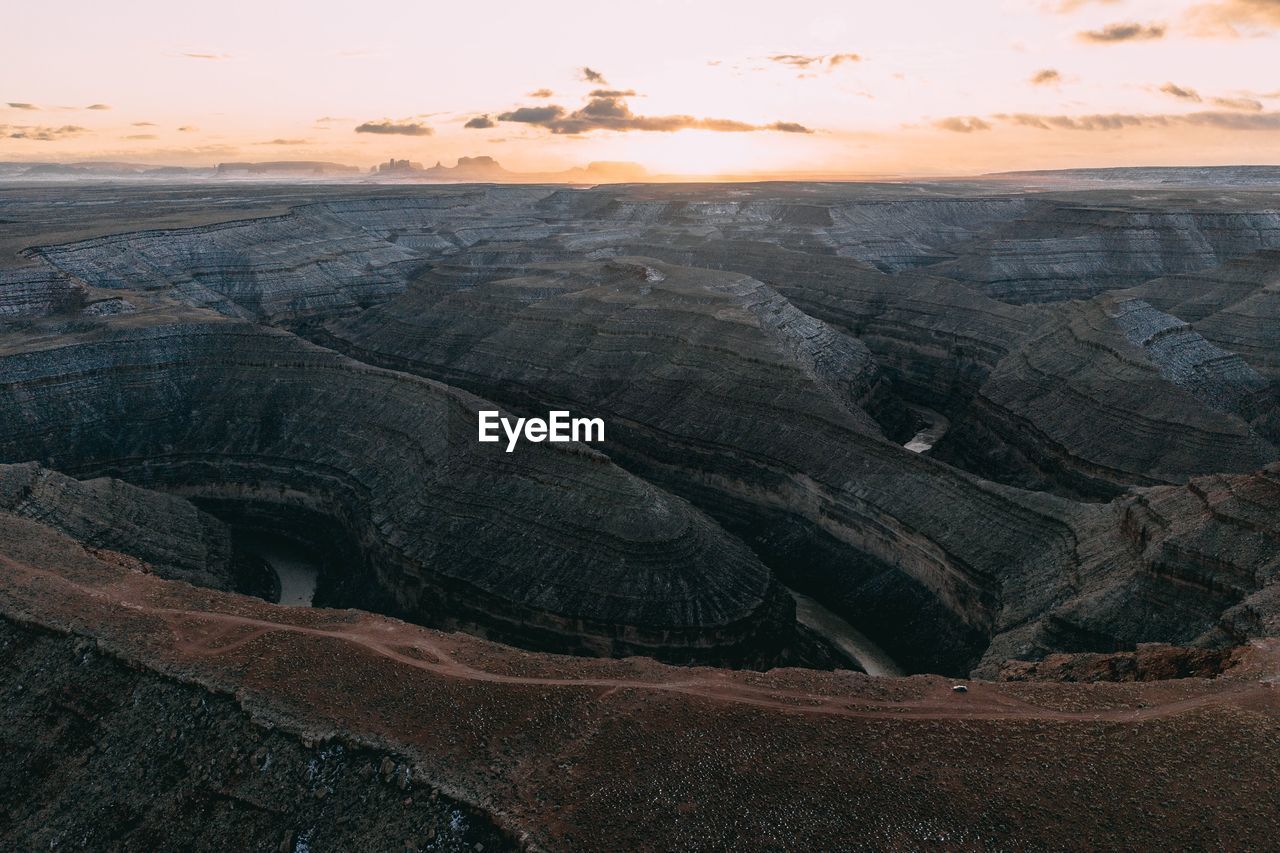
(1014, 438)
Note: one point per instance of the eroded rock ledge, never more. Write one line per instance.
(552, 546)
(571, 753)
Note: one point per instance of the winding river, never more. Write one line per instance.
(936, 426)
(294, 566)
(843, 636)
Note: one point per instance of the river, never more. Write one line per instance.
(295, 567)
(936, 426)
(844, 636)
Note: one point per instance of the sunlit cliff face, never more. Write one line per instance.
(684, 89)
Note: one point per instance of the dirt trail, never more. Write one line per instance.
(940, 702)
(208, 633)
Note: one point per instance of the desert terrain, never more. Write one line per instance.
(929, 514)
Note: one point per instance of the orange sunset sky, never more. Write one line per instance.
(679, 87)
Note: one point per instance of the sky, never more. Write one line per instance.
(682, 88)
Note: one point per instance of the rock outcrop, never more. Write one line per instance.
(168, 534)
(1234, 306)
(1079, 247)
(935, 340)
(1194, 565)
(551, 546)
(289, 267)
(1110, 394)
(715, 387)
(36, 292)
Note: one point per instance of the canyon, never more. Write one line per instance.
(862, 443)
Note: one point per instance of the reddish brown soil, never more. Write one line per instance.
(597, 754)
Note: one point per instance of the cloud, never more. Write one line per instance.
(411, 128)
(1128, 31)
(19, 105)
(480, 123)
(808, 61)
(1235, 121)
(542, 93)
(1184, 94)
(1180, 93)
(285, 142)
(592, 76)
(144, 124)
(1253, 121)
(186, 128)
(532, 115)
(98, 107)
(1246, 104)
(142, 136)
(612, 93)
(1045, 76)
(1067, 6)
(41, 133)
(960, 124)
(613, 113)
(787, 127)
(840, 58)
(210, 56)
(1226, 19)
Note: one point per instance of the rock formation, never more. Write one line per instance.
(771, 386)
(551, 546)
(1234, 306)
(275, 268)
(167, 533)
(36, 292)
(1193, 565)
(1096, 499)
(1113, 393)
(718, 389)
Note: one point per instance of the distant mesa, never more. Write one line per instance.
(95, 169)
(483, 168)
(478, 169)
(395, 167)
(612, 170)
(286, 167)
(468, 168)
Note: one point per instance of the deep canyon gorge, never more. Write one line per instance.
(864, 444)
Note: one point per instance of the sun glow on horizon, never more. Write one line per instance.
(932, 86)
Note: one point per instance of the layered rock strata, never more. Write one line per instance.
(1234, 306)
(714, 386)
(1194, 565)
(37, 292)
(1110, 394)
(289, 267)
(551, 546)
(171, 536)
(260, 720)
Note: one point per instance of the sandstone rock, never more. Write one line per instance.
(174, 538)
(1234, 306)
(287, 267)
(36, 292)
(385, 468)
(1110, 394)
(718, 389)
